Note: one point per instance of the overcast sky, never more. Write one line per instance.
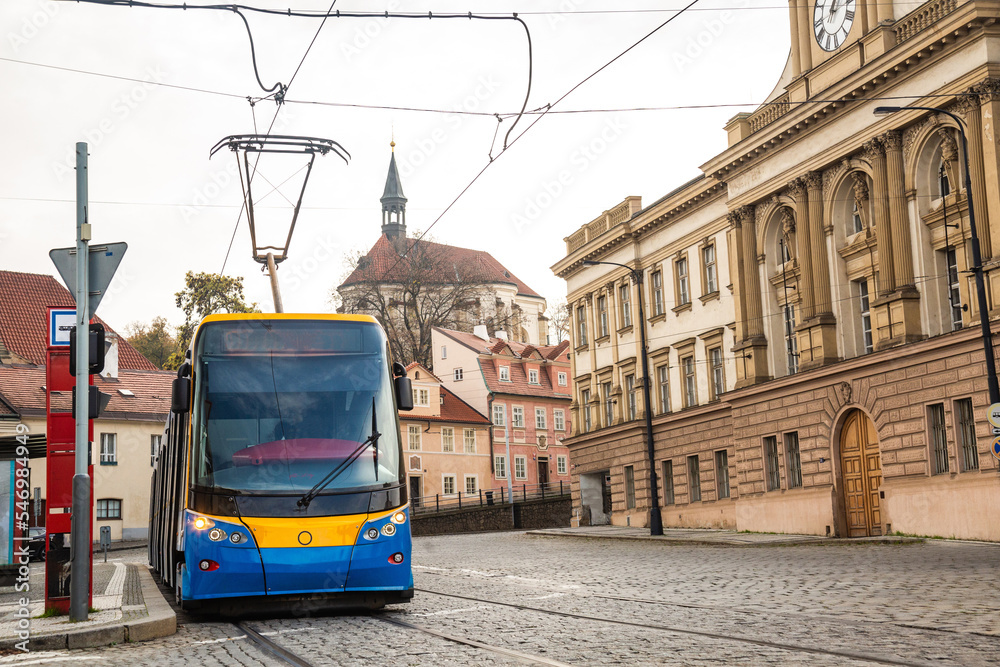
(153, 185)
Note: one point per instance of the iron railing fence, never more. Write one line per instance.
(486, 497)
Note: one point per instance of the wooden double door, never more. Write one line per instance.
(861, 475)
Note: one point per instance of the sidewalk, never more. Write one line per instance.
(129, 605)
(709, 536)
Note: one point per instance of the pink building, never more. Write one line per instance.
(524, 389)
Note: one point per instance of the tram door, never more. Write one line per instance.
(862, 475)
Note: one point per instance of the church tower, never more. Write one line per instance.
(393, 202)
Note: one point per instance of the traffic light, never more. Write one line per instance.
(96, 353)
(96, 403)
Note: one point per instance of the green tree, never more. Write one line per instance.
(206, 294)
(153, 341)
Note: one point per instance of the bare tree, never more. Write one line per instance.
(560, 317)
(421, 285)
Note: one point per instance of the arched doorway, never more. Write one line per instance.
(861, 472)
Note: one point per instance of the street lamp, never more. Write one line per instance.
(655, 521)
(977, 259)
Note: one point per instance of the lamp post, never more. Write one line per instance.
(977, 260)
(655, 520)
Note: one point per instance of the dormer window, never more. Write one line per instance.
(505, 373)
(562, 379)
(532, 376)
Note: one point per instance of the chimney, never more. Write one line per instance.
(502, 335)
(111, 356)
(480, 330)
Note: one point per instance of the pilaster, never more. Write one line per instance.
(902, 254)
(875, 155)
(803, 248)
(751, 349)
(818, 337)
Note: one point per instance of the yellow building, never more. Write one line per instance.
(446, 443)
(816, 359)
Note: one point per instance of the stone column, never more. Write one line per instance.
(902, 252)
(880, 204)
(751, 349)
(822, 302)
(794, 23)
(802, 250)
(978, 137)
(805, 35)
(736, 253)
(989, 219)
(751, 278)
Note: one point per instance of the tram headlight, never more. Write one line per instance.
(399, 517)
(372, 533)
(202, 522)
(217, 535)
(236, 538)
(388, 530)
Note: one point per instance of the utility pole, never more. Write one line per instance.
(79, 593)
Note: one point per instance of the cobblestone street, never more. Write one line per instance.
(512, 598)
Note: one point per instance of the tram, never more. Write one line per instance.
(280, 475)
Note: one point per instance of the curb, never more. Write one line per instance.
(160, 621)
(797, 540)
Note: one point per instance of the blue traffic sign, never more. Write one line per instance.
(995, 448)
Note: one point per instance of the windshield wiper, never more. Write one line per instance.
(344, 465)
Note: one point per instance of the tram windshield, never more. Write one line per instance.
(280, 403)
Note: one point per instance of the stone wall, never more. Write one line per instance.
(549, 513)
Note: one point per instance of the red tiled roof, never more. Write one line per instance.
(24, 327)
(559, 353)
(383, 264)
(453, 409)
(519, 385)
(6, 409)
(22, 387)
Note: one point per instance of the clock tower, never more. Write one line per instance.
(823, 29)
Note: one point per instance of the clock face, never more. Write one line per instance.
(832, 20)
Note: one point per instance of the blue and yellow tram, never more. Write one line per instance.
(280, 477)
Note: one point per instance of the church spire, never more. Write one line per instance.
(393, 202)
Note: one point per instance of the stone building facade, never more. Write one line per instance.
(816, 359)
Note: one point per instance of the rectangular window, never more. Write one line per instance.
(413, 433)
(559, 420)
(939, 437)
(794, 460)
(690, 388)
(657, 293)
(154, 447)
(866, 316)
(585, 407)
(954, 295)
(771, 464)
(718, 372)
(683, 290)
(447, 439)
(505, 373)
(499, 416)
(540, 420)
(561, 467)
(609, 404)
(602, 314)
(520, 467)
(470, 441)
(668, 482)
(533, 376)
(857, 224)
(581, 325)
(711, 277)
(967, 434)
(791, 344)
(109, 509)
(663, 381)
(722, 473)
(458, 375)
(421, 397)
(447, 484)
(109, 449)
(694, 478)
(630, 396)
(629, 487)
(500, 466)
(562, 379)
(471, 484)
(517, 416)
(444, 352)
(625, 296)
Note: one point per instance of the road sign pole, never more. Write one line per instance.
(79, 605)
